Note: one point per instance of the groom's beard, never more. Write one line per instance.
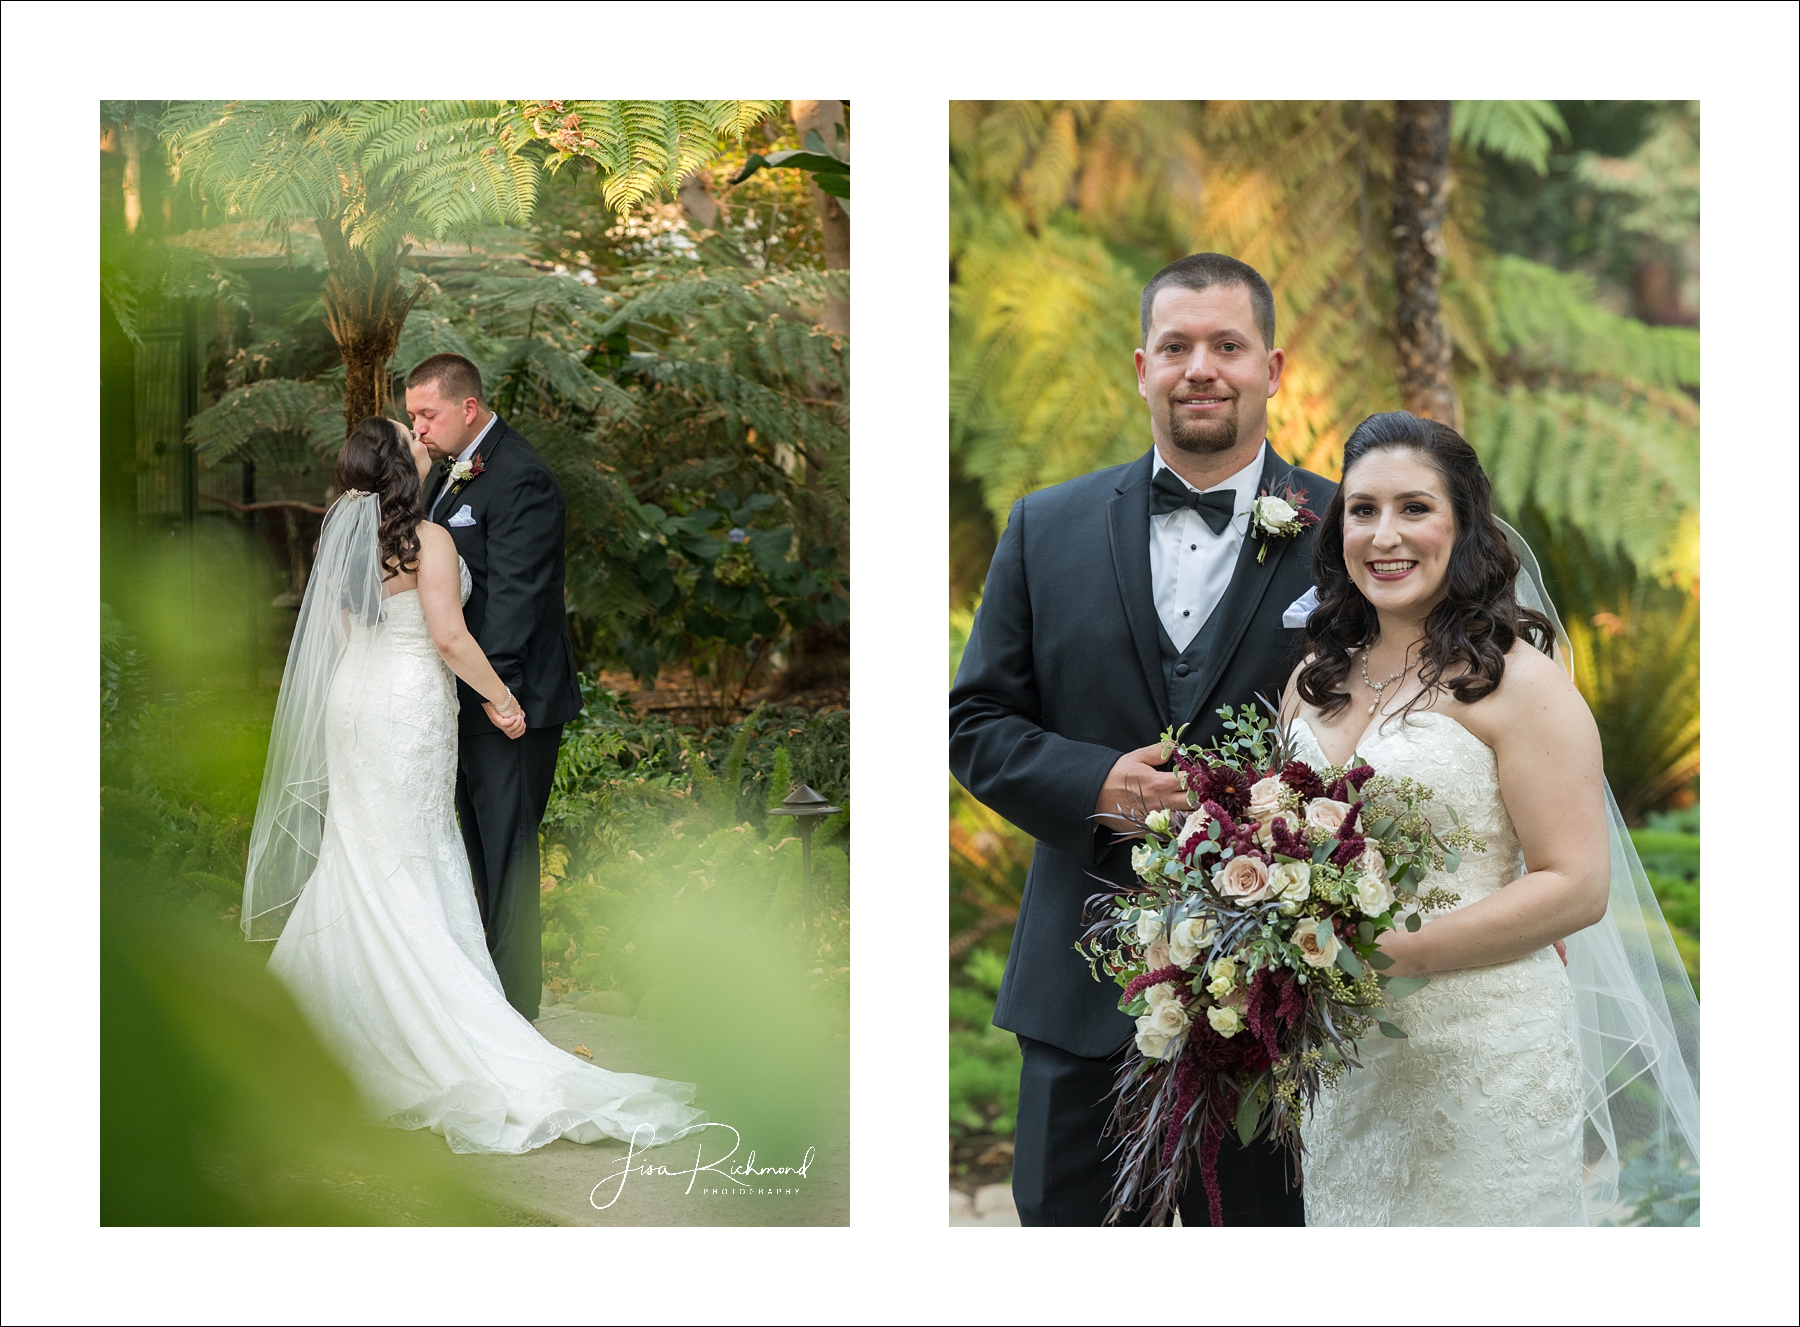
(1203, 437)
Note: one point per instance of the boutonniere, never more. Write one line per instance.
(1282, 517)
(463, 471)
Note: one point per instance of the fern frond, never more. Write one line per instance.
(279, 422)
(1519, 131)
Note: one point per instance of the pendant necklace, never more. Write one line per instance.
(1379, 687)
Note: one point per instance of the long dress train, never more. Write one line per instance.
(384, 950)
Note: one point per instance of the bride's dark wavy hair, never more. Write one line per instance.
(1479, 617)
(377, 460)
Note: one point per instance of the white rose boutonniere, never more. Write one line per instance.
(1283, 517)
(461, 471)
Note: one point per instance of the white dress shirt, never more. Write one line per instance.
(464, 455)
(1190, 566)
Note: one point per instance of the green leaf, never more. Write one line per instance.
(1346, 959)
(1321, 852)
(1248, 1115)
(1389, 1030)
(1452, 859)
(1398, 988)
(1412, 921)
(1381, 826)
(1380, 961)
(1366, 929)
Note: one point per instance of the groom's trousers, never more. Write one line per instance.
(502, 789)
(1062, 1173)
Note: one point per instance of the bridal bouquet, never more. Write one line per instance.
(1246, 947)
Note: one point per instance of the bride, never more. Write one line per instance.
(355, 860)
(1510, 1101)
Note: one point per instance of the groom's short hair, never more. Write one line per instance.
(457, 378)
(1202, 271)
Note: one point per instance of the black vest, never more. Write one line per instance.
(1183, 669)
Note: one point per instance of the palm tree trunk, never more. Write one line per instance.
(365, 308)
(828, 118)
(1421, 199)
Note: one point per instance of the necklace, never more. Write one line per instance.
(1379, 687)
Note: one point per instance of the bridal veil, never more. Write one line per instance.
(1639, 1022)
(343, 596)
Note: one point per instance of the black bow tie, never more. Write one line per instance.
(1168, 493)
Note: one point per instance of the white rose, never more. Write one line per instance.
(1189, 939)
(1158, 821)
(1316, 953)
(1159, 995)
(1374, 895)
(1244, 880)
(1265, 797)
(1219, 987)
(1291, 882)
(1274, 511)
(1326, 814)
(1150, 1042)
(1149, 926)
(1224, 969)
(1140, 857)
(461, 470)
(1224, 1020)
(1169, 1018)
(1157, 955)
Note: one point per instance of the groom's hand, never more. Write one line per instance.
(1137, 786)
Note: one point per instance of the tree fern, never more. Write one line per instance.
(1513, 130)
(279, 422)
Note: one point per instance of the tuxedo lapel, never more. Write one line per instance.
(1128, 528)
(1249, 581)
(434, 484)
(483, 454)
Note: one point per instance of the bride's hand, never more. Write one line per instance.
(511, 723)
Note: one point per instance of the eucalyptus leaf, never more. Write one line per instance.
(1346, 959)
(1382, 826)
(1452, 859)
(1380, 961)
(1389, 1030)
(1412, 921)
(1248, 1115)
(1398, 988)
(1320, 853)
(1366, 929)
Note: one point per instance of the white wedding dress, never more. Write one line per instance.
(384, 951)
(1476, 1118)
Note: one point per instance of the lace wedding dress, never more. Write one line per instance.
(1475, 1119)
(384, 950)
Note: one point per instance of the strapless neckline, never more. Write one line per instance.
(1378, 729)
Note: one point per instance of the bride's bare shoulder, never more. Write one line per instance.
(1535, 696)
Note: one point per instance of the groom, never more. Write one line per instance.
(504, 509)
(1118, 604)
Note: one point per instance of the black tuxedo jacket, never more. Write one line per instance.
(511, 535)
(1063, 674)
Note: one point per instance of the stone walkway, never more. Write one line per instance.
(580, 1185)
(991, 1205)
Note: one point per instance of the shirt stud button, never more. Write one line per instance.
(1192, 547)
(1184, 612)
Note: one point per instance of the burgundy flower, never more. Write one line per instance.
(1229, 788)
(1141, 984)
(1350, 847)
(1287, 842)
(1302, 778)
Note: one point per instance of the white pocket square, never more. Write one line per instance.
(1294, 615)
(466, 517)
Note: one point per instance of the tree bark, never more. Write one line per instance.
(134, 202)
(833, 220)
(697, 201)
(365, 308)
(1421, 200)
